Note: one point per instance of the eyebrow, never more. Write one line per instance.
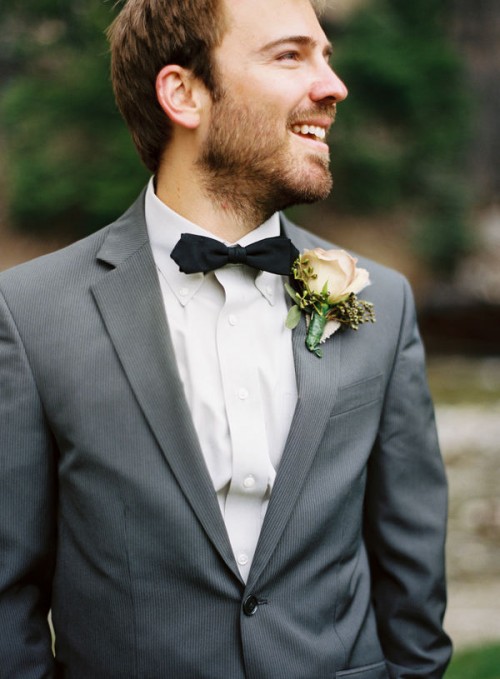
(297, 40)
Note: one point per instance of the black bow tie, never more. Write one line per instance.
(198, 253)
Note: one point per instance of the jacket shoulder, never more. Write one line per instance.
(80, 263)
(53, 268)
(305, 240)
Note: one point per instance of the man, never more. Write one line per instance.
(191, 491)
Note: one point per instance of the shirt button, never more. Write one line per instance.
(249, 481)
(269, 291)
(243, 393)
(183, 292)
(233, 320)
(243, 559)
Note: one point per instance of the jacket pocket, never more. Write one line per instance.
(357, 395)
(374, 671)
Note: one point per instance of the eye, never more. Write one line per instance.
(291, 55)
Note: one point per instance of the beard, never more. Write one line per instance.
(248, 165)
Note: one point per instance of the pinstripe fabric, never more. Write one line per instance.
(348, 572)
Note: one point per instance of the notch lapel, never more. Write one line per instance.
(317, 386)
(131, 305)
(317, 383)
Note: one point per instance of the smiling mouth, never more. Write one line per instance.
(310, 132)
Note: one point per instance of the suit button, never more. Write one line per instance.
(250, 605)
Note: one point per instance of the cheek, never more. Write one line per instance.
(273, 98)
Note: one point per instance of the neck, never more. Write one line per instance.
(221, 209)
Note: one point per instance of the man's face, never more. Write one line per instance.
(265, 139)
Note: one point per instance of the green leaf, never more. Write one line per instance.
(293, 318)
(315, 331)
(293, 294)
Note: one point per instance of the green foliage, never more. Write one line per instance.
(71, 166)
(70, 163)
(400, 136)
(479, 663)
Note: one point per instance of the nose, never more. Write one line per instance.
(328, 86)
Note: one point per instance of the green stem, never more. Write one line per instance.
(315, 330)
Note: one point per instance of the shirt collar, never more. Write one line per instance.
(165, 227)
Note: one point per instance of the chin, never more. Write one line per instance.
(308, 191)
(313, 195)
(313, 185)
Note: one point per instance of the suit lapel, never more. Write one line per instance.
(130, 302)
(317, 385)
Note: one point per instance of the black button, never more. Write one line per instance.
(250, 605)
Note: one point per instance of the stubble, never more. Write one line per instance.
(249, 169)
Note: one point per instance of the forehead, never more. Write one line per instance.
(251, 24)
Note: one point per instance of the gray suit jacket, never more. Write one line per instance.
(109, 518)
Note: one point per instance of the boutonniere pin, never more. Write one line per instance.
(324, 287)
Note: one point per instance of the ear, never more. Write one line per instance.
(179, 94)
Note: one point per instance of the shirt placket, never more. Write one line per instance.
(245, 414)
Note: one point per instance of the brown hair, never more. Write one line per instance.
(146, 36)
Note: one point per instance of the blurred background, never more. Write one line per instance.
(417, 186)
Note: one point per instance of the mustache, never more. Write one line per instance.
(322, 108)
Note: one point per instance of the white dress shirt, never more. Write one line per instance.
(234, 356)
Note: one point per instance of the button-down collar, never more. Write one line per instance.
(165, 227)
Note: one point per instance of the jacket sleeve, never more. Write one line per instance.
(405, 518)
(27, 515)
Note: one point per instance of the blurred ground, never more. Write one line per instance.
(468, 416)
(473, 616)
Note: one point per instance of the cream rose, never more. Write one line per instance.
(338, 270)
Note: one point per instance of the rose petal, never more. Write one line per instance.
(361, 280)
(336, 268)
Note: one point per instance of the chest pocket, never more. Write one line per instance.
(357, 395)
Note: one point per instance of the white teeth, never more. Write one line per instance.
(314, 130)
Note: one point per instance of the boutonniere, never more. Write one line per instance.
(324, 287)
